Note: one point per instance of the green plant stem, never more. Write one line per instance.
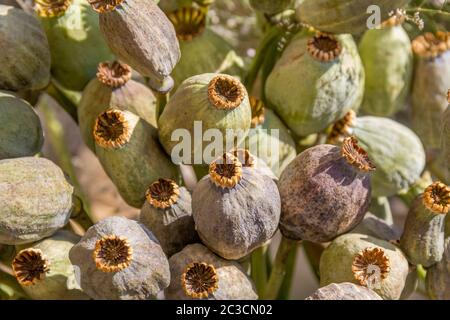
(161, 102)
(279, 268)
(382, 209)
(285, 290)
(313, 252)
(429, 11)
(68, 105)
(259, 269)
(421, 272)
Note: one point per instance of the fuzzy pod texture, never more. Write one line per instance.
(20, 128)
(227, 281)
(323, 195)
(271, 7)
(236, 209)
(167, 212)
(129, 151)
(396, 151)
(119, 259)
(343, 16)
(437, 281)
(423, 235)
(25, 57)
(113, 87)
(366, 261)
(344, 291)
(141, 35)
(207, 101)
(388, 62)
(316, 81)
(376, 227)
(35, 199)
(60, 281)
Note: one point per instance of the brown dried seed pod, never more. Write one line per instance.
(51, 8)
(30, 266)
(364, 262)
(344, 291)
(112, 253)
(199, 280)
(324, 47)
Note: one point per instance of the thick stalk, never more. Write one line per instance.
(67, 104)
(285, 290)
(382, 209)
(259, 269)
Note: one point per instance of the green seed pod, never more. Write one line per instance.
(113, 87)
(236, 209)
(197, 273)
(316, 81)
(44, 270)
(395, 150)
(76, 44)
(344, 291)
(430, 85)
(20, 128)
(438, 277)
(271, 7)
(35, 200)
(366, 261)
(388, 62)
(445, 139)
(25, 57)
(376, 227)
(325, 192)
(344, 16)
(128, 150)
(141, 35)
(168, 214)
(215, 101)
(423, 235)
(119, 259)
(411, 283)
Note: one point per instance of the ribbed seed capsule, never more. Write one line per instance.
(30, 266)
(199, 280)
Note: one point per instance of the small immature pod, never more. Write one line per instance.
(167, 212)
(316, 81)
(236, 209)
(35, 200)
(141, 35)
(365, 261)
(25, 57)
(197, 273)
(119, 259)
(344, 291)
(325, 191)
(438, 276)
(423, 235)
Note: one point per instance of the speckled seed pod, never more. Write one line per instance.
(423, 235)
(119, 259)
(168, 214)
(269, 133)
(396, 151)
(35, 200)
(271, 7)
(438, 277)
(376, 227)
(141, 35)
(325, 192)
(215, 101)
(343, 16)
(197, 40)
(365, 261)
(236, 209)
(76, 43)
(344, 291)
(388, 62)
(430, 85)
(445, 139)
(20, 128)
(197, 273)
(44, 270)
(316, 81)
(113, 87)
(25, 57)
(128, 150)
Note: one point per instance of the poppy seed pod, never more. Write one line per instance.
(396, 151)
(344, 16)
(376, 227)
(167, 212)
(216, 101)
(365, 261)
(141, 35)
(344, 291)
(25, 57)
(35, 200)
(45, 271)
(325, 191)
(423, 235)
(430, 85)
(20, 128)
(113, 87)
(437, 281)
(236, 209)
(316, 81)
(249, 160)
(120, 259)
(128, 150)
(197, 273)
(388, 62)
(271, 7)
(76, 43)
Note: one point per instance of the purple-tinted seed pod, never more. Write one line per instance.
(344, 291)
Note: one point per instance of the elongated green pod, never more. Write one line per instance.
(438, 277)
